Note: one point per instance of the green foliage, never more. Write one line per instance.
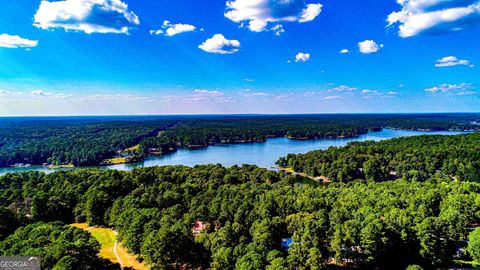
(172, 243)
(77, 141)
(247, 211)
(204, 131)
(8, 222)
(59, 246)
(474, 244)
(415, 158)
(414, 267)
(90, 140)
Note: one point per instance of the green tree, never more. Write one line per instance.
(414, 267)
(8, 222)
(474, 244)
(172, 243)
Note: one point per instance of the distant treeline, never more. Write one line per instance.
(88, 141)
(246, 212)
(77, 142)
(218, 130)
(417, 158)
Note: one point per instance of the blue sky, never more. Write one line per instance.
(84, 57)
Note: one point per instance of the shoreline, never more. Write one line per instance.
(147, 156)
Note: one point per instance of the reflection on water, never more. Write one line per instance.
(262, 154)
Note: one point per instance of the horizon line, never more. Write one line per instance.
(245, 114)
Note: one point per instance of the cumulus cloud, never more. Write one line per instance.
(392, 93)
(344, 51)
(434, 16)
(302, 57)
(450, 61)
(89, 16)
(452, 89)
(9, 41)
(220, 45)
(369, 46)
(342, 88)
(278, 30)
(258, 14)
(367, 91)
(169, 29)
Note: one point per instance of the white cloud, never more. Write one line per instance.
(367, 91)
(198, 96)
(89, 16)
(258, 14)
(450, 61)
(392, 93)
(41, 93)
(434, 16)
(302, 57)
(118, 97)
(156, 32)
(369, 46)
(204, 95)
(254, 94)
(344, 51)
(169, 29)
(452, 89)
(333, 97)
(278, 30)
(9, 41)
(220, 45)
(310, 13)
(342, 88)
(203, 92)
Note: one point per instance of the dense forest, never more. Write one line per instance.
(76, 141)
(217, 130)
(88, 141)
(248, 213)
(417, 158)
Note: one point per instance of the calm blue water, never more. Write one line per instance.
(261, 154)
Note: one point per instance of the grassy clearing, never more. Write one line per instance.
(129, 260)
(117, 160)
(64, 166)
(284, 169)
(106, 237)
(133, 148)
(82, 226)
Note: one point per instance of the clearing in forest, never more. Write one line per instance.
(107, 237)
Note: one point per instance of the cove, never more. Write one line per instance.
(262, 154)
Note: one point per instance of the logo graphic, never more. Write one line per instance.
(20, 263)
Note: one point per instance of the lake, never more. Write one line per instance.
(262, 154)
